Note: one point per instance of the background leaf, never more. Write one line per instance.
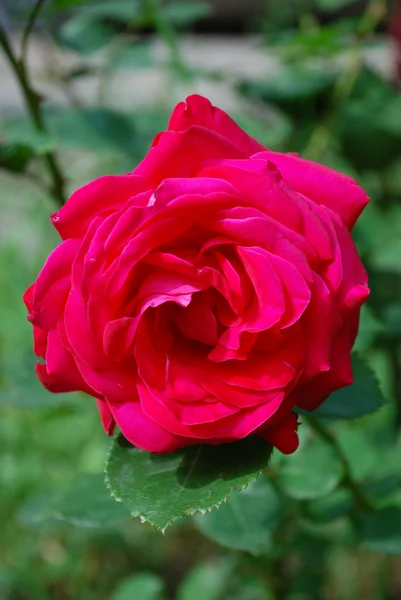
(313, 471)
(381, 531)
(143, 586)
(160, 488)
(183, 14)
(206, 581)
(361, 398)
(331, 5)
(246, 521)
(85, 502)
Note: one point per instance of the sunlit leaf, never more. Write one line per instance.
(161, 488)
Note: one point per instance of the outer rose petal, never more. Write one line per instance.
(284, 435)
(321, 184)
(106, 417)
(48, 296)
(181, 154)
(142, 431)
(312, 394)
(197, 110)
(98, 198)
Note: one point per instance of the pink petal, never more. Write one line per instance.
(241, 424)
(312, 394)
(321, 184)
(283, 435)
(52, 285)
(296, 291)
(174, 187)
(181, 383)
(320, 322)
(105, 416)
(96, 199)
(261, 187)
(142, 431)
(354, 286)
(119, 336)
(197, 110)
(196, 413)
(60, 373)
(269, 305)
(197, 321)
(181, 154)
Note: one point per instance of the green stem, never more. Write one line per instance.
(32, 102)
(359, 498)
(28, 29)
(322, 135)
(165, 29)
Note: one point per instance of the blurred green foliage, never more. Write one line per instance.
(297, 533)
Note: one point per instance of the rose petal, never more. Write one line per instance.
(321, 184)
(197, 110)
(96, 199)
(106, 416)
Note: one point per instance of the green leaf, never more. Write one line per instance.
(85, 502)
(20, 389)
(332, 506)
(363, 455)
(142, 586)
(292, 83)
(161, 488)
(387, 257)
(361, 398)
(84, 35)
(251, 588)
(90, 29)
(369, 328)
(133, 56)
(312, 472)
(21, 132)
(184, 14)
(60, 5)
(95, 129)
(20, 142)
(122, 11)
(381, 531)
(332, 5)
(15, 157)
(246, 521)
(206, 581)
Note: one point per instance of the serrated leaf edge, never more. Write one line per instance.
(189, 513)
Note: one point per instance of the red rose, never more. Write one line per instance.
(206, 294)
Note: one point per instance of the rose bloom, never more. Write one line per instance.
(206, 294)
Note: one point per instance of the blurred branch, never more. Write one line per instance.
(32, 101)
(359, 498)
(28, 29)
(167, 32)
(320, 138)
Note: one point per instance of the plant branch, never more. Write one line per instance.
(28, 29)
(321, 136)
(32, 102)
(359, 497)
